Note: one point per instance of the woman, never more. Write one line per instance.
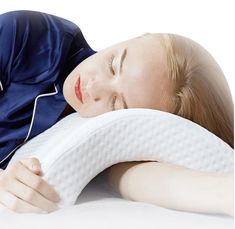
(45, 59)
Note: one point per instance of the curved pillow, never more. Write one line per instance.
(76, 149)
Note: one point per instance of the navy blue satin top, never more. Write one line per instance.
(37, 52)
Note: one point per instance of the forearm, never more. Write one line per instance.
(173, 186)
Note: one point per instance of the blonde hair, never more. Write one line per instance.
(200, 89)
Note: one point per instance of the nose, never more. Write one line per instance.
(97, 89)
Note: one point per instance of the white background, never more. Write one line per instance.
(106, 22)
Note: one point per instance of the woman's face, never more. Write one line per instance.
(131, 74)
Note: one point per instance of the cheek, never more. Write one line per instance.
(67, 90)
(92, 109)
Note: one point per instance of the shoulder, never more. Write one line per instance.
(27, 19)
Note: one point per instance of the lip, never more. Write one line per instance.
(78, 90)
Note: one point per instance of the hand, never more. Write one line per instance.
(24, 191)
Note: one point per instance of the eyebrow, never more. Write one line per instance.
(122, 59)
(120, 71)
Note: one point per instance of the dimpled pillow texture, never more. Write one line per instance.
(74, 150)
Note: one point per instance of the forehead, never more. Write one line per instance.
(143, 49)
(147, 72)
(145, 39)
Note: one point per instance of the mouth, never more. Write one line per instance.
(78, 90)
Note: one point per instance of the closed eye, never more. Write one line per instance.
(113, 103)
(110, 63)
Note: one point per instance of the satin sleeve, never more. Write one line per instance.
(29, 44)
(6, 48)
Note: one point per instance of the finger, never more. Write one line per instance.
(15, 204)
(35, 182)
(33, 164)
(31, 196)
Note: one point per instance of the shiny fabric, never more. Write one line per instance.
(37, 52)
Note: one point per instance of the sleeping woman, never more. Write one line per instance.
(48, 71)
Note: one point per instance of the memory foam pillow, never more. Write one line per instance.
(76, 149)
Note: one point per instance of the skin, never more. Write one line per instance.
(143, 81)
(23, 190)
(174, 187)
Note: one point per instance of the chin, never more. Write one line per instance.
(74, 106)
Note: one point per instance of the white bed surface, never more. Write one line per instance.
(99, 207)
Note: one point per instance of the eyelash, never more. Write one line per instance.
(113, 103)
(110, 64)
(112, 71)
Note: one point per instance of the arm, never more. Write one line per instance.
(172, 186)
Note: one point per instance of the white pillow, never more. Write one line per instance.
(76, 149)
